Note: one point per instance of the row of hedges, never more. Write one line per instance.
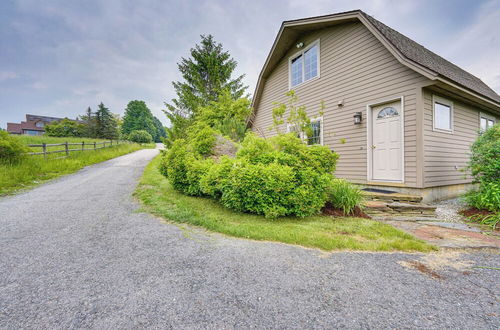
(275, 177)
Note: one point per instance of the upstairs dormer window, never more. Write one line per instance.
(39, 124)
(304, 65)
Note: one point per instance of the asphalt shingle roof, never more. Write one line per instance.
(421, 55)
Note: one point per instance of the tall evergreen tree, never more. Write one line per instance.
(138, 117)
(106, 125)
(89, 122)
(206, 73)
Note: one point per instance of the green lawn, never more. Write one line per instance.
(159, 198)
(34, 170)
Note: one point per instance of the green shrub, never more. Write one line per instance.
(276, 177)
(11, 149)
(289, 150)
(344, 195)
(258, 188)
(485, 167)
(140, 136)
(202, 138)
(65, 128)
(215, 179)
(183, 169)
(485, 156)
(487, 197)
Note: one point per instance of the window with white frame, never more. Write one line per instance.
(485, 122)
(304, 65)
(317, 132)
(293, 129)
(443, 114)
(316, 129)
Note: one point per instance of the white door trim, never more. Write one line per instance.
(369, 138)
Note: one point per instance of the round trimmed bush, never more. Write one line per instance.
(140, 136)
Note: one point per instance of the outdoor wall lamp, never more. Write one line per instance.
(357, 118)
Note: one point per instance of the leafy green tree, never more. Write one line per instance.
(138, 117)
(65, 128)
(160, 130)
(206, 73)
(106, 125)
(227, 115)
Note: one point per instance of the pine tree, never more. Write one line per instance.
(206, 74)
(138, 117)
(106, 125)
(89, 122)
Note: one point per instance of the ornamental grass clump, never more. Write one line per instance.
(344, 195)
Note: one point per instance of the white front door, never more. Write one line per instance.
(387, 148)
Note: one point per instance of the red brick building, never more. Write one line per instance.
(34, 125)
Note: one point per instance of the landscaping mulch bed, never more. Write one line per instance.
(328, 209)
(474, 212)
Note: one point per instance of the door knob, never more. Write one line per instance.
(373, 146)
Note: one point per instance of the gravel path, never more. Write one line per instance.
(76, 254)
(447, 210)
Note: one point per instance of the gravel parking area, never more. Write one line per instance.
(75, 253)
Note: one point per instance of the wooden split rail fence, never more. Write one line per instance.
(69, 147)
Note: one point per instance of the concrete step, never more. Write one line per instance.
(393, 197)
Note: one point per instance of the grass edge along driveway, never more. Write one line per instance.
(35, 170)
(323, 232)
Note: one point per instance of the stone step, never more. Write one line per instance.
(394, 197)
(392, 217)
(390, 210)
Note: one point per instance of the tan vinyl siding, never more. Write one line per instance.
(356, 68)
(446, 154)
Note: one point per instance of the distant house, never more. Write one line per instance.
(401, 117)
(34, 125)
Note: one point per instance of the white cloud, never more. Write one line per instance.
(6, 75)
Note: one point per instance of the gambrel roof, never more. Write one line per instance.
(407, 51)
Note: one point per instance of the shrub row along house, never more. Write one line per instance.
(401, 117)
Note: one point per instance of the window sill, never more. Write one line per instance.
(303, 83)
(440, 130)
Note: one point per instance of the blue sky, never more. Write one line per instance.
(59, 57)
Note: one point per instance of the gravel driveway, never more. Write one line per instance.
(75, 253)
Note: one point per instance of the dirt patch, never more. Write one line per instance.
(423, 269)
(328, 209)
(431, 263)
(446, 259)
(471, 212)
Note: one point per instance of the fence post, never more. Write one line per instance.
(94, 145)
(67, 151)
(83, 145)
(111, 142)
(104, 144)
(44, 147)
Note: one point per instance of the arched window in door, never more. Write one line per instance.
(387, 112)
